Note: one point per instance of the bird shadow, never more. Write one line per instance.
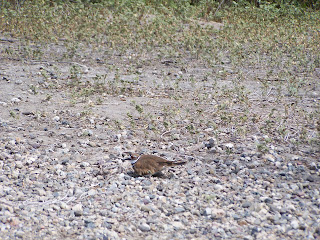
(157, 175)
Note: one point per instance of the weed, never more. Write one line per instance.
(33, 89)
(13, 114)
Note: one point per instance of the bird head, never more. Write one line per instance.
(132, 157)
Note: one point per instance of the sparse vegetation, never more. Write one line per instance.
(259, 62)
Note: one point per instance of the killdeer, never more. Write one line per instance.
(149, 164)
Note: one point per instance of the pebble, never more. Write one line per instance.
(179, 209)
(178, 225)
(229, 145)
(207, 211)
(278, 164)
(218, 213)
(78, 210)
(19, 164)
(20, 234)
(310, 178)
(84, 164)
(41, 191)
(269, 157)
(15, 100)
(246, 204)
(295, 224)
(56, 118)
(144, 227)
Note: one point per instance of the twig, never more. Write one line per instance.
(218, 8)
(269, 91)
(165, 133)
(7, 40)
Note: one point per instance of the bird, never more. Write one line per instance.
(149, 164)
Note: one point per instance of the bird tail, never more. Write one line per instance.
(178, 163)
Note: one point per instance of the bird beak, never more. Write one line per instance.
(127, 155)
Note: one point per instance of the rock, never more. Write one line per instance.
(84, 164)
(218, 213)
(310, 178)
(56, 118)
(179, 209)
(175, 136)
(210, 144)
(178, 225)
(195, 212)
(229, 145)
(4, 104)
(41, 191)
(207, 212)
(294, 224)
(144, 227)
(269, 157)
(86, 132)
(78, 210)
(20, 234)
(30, 160)
(89, 224)
(146, 182)
(63, 205)
(145, 208)
(92, 144)
(246, 204)
(118, 149)
(218, 187)
(312, 166)
(278, 164)
(295, 157)
(15, 100)
(112, 234)
(92, 192)
(19, 164)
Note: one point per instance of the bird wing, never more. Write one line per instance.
(161, 161)
(144, 166)
(150, 164)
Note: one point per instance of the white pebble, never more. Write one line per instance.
(295, 224)
(56, 118)
(15, 100)
(229, 145)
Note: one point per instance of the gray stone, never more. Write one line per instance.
(269, 157)
(20, 234)
(178, 225)
(246, 204)
(310, 178)
(207, 212)
(179, 209)
(19, 164)
(294, 224)
(144, 227)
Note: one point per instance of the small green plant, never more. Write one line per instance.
(99, 101)
(75, 76)
(33, 89)
(262, 147)
(48, 98)
(13, 114)
(139, 108)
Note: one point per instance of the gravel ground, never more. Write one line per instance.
(62, 177)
